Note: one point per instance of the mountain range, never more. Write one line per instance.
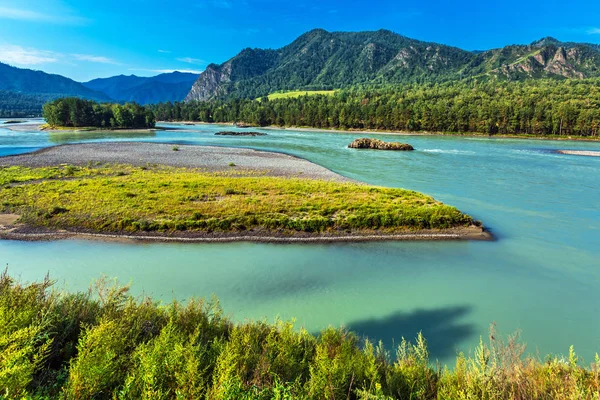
(330, 60)
(24, 91)
(316, 60)
(161, 88)
(38, 83)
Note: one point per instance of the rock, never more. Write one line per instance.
(243, 125)
(367, 143)
(231, 133)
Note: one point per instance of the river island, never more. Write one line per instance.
(186, 193)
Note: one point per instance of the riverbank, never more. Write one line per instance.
(401, 133)
(150, 192)
(205, 158)
(44, 127)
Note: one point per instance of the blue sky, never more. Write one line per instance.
(88, 39)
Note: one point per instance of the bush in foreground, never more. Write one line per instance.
(106, 344)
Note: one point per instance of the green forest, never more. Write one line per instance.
(19, 105)
(534, 107)
(76, 112)
(107, 344)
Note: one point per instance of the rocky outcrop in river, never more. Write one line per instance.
(367, 143)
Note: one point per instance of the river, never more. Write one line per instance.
(541, 276)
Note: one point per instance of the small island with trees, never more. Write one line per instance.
(73, 112)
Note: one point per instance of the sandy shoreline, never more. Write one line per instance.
(16, 231)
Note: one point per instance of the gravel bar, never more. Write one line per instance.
(580, 153)
(210, 158)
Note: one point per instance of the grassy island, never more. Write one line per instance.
(107, 344)
(73, 112)
(191, 202)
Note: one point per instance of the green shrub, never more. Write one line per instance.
(106, 344)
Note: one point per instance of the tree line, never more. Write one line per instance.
(76, 112)
(537, 107)
(20, 105)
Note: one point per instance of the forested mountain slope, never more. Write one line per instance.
(332, 60)
(145, 90)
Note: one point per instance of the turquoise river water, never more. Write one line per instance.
(542, 275)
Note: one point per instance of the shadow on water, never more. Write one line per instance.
(283, 288)
(441, 327)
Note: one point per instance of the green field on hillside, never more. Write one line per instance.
(300, 93)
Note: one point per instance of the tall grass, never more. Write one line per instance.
(106, 344)
(116, 198)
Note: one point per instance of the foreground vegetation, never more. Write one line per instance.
(540, 107)
(106, 344)
(75, 112)
(132, 199)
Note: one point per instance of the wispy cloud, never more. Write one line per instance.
(167, 71)
(20, 56)
(21, 14)
(190, 60)
(94, 59)
(26, 56)
(164, 51)
(593, 31)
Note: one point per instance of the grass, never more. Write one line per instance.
(106, 344)
(113, 198)
(294, 94)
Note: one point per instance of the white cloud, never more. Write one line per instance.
(594, 31)
(24, 15)
(94, 59)
(191, 60)
(21, 14)
(26, 56)
(164, 51)
(17, 55)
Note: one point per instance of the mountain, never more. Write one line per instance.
(24, 91)
(41, 84)
(327, 60)
(161, 88)
(544, 58)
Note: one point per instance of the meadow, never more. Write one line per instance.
(299, 93)
(121, 198)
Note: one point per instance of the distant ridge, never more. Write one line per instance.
(322, 60)
(24, 91)
(161, 88)
(38, 83)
